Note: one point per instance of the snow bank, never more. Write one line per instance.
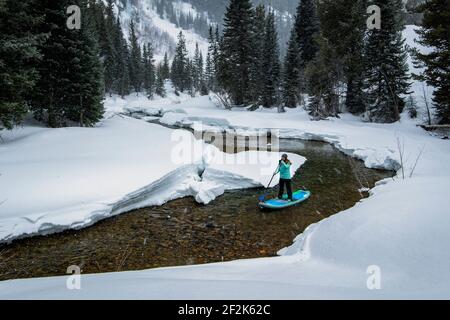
(55, 179)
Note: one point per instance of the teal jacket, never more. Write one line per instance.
(285, 170)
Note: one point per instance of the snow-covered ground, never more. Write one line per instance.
(401, 231)
(395, 242)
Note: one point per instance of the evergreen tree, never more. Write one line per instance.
(257, 72)
(159, 86)
(270, 64)
(180, 72)
(209, 72)
(197, 69)
(122, 77)
(435, 33)
(86, 93)
(136, 74)
(149, 70)
(292, 74)
(165, 68)
(306, 28)
(212, 60)
(189, 85)
(108, 49)
(343, 24)
(354, 57)
(216, 54)
(97, 15)
(237, 52)
(201, 70)
(70, 86)
(302, 49)
(386, 74)
(323, 76)
(18, 58)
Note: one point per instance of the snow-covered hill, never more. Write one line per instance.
(160, 21)
(157, 28)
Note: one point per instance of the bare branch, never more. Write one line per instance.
(417, 161)
(401, 151)
(426, 103)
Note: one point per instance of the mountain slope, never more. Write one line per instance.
(159, 29)
(160, 21)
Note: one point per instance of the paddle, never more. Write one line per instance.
(262, 198)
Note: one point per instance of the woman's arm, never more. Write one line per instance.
(287, 165)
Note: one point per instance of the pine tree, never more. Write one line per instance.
(257, 72)
(292, 74)
(159, 86)
(201, 73)
(209, 72)
(108, 49)
(323, 76)
(217, 55)
(343, 24)
(270, 64)
(149, 70)
(435, 33)
(165, 68)
(179, 71)
(86, 94)
(306, 27)
(236, 51)
(136, 74)
(197, 68)
(189, 78)
(212, 60)
(354, 58)
(302, 49)
(122, 78)
(145, 74)
(18, 58)
(386, 74)
(70, 86)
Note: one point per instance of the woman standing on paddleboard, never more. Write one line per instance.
(284, 168)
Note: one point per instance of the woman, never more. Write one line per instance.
(284, 168)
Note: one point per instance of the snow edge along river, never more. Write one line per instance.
(205, 174)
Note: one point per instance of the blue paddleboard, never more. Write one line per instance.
(277, 204)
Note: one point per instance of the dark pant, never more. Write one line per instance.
(288, 184)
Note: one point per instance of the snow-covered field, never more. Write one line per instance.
(395, 242)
